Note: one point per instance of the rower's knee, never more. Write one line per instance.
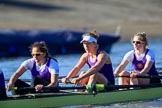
(82, 73)
(123, 73)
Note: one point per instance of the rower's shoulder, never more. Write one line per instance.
(85, 54)
(103, 53)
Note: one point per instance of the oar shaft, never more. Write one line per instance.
(51, 88)
(29, 80)
(141, 76)
(129, 86)
(98, 87)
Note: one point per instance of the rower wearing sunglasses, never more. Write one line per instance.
(44, 70)
(143, 63)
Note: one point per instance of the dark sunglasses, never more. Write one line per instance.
(137, 42)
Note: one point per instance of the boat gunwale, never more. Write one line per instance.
(68, 93)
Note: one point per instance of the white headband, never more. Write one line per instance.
(88, 39)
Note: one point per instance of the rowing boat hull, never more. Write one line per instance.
(70, 99)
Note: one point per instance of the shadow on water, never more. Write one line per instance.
(33, 5)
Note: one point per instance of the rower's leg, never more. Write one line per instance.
(123, 80)
(101, 79)
(136, 81)
(84, 81)
(19, 83)
(38, 80)
(143, 81)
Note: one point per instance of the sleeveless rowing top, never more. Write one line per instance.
(139, 65)
(106, 70)
(44, 74)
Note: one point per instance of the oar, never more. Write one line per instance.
(59, 81)
(97, 87)
(29, 80)
(141, 76)
(133, 86)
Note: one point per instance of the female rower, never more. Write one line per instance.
(100, 67)
(143, 63)
(44, 69)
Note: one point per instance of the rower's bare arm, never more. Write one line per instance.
(102, 58)
(54, 80)
(147, 67)
(121, 67)
(15, 76)
(78, 66)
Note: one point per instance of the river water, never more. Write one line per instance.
(66, 62)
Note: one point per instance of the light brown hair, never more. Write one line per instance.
(92, 33)
(142, 36)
